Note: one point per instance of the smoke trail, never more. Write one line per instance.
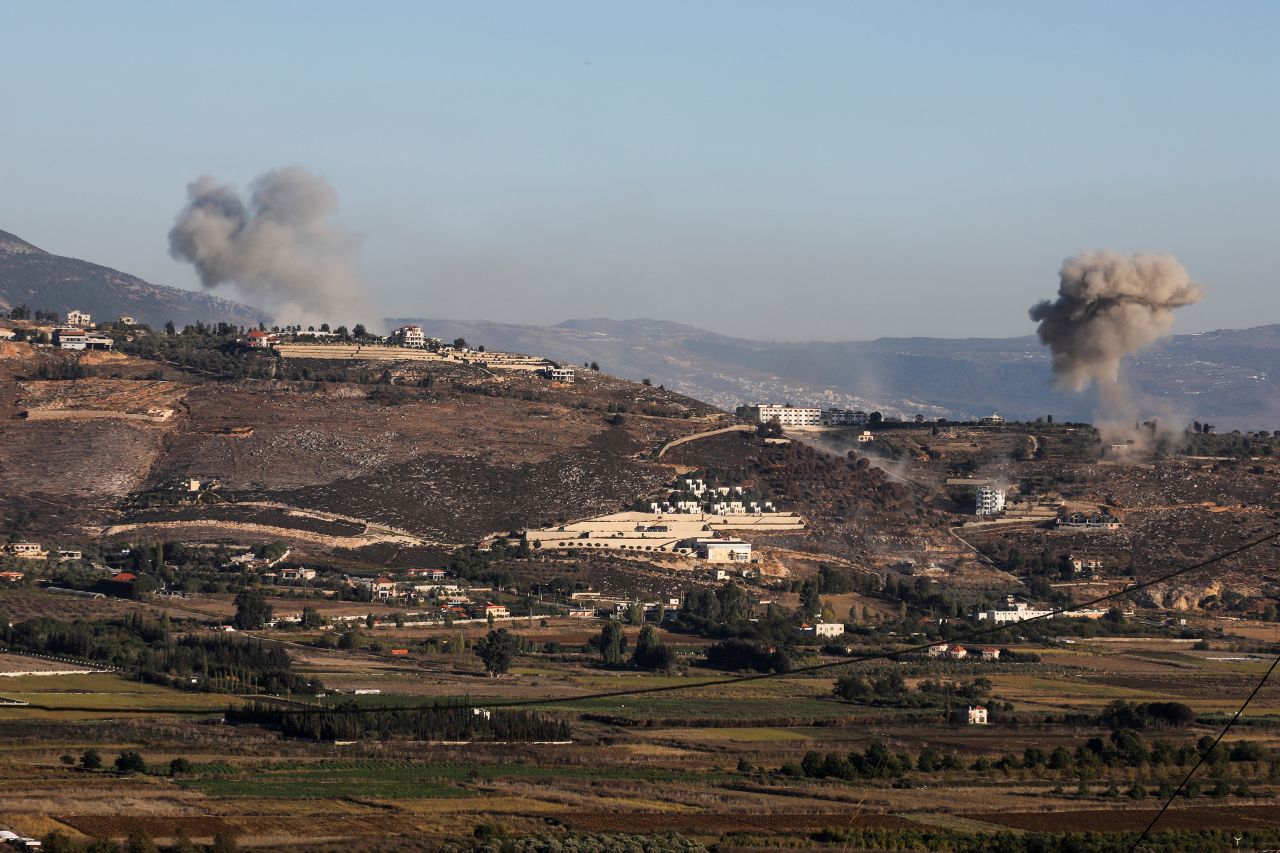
(1110, 306)
(280, 250)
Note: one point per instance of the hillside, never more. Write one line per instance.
(33, 277)
(1227, 377)
(408, 455)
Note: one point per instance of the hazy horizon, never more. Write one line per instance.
(836, 172)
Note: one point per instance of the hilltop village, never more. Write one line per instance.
(226, 550)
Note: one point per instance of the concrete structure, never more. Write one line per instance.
(843, 417)
(990, 653)
(972, 715)
(1020, 611)
(992, 419)
(1102, 520)
(823, 629)
(786, 416)
(865, 436)
(1084, 565)
(381, 587)
(657, 531)
(259, 339)
(25, 550)
(558, 374)
(78, 318)
(126, 320)
(958, 652)
(989, 500)
(409, 336)
(723, 550)
(293, 575)
(497, 611)
(69, 339)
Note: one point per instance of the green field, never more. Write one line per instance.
(91, 692)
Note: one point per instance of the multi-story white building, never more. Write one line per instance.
(558, 374)
(786, 416)
(409, 336)
(843, 417)
(724, 550)
(989, 500)
(78, 318)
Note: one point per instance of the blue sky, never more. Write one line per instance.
(782, 170)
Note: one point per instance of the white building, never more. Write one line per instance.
(126, 320)
(973, 715)
(786, 416)
(865, 436)
(724, 550)
(69, 339)
(409, 336)
(843, 417)
(78, 318)
(823, 629)
(989, 500)
(558, 374)
(992, 419)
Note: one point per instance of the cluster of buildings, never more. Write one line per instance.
(1100, 520)
(1020, 611)
(711, 500)
(959, 652)
(822, 629)
(23, 550)
(797, 416)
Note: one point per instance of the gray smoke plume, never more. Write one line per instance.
(1110, 306)
(281, 250)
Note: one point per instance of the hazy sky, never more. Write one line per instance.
(783, 170)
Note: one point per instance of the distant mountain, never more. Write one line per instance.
(1225, 377)
(40, 280)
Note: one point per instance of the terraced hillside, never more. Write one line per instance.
(447, 457)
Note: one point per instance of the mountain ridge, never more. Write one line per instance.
(40, 279)
(1225, 376)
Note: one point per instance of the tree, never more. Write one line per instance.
(169, 329)
(179, 766)
(651, 653)
(140, 842)
(613, 643)
(460, 343)
(252, 610)
(595, 365)
(875, 418)
(224, 842)
(359, 331)
(67, 759)
(90, 759)
(496, 650)
(130, 761)
(311, 619)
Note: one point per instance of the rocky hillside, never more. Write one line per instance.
(407, 456)
(33, 277)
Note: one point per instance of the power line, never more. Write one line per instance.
(1205, 754)
(863, 658)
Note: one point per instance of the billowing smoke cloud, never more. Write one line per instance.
(1110, 306)
(281, 250)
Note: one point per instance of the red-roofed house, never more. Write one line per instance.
(260, 339)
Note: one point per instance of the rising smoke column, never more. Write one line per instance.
(281, 250)
(1110, 306)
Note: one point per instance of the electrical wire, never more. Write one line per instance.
(1204, 755)
(849, 661)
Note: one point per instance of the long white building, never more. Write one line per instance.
(786, 416)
